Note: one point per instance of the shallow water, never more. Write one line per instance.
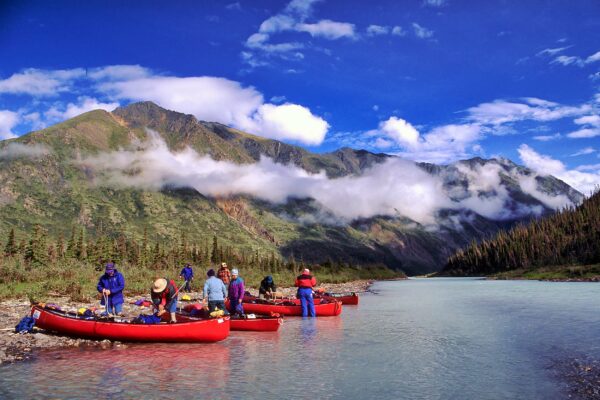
(415, 339)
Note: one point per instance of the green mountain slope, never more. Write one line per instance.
(56, 191)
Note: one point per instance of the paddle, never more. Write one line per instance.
(105, 303)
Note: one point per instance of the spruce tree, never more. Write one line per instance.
(144, 256)
(36, 252)
(214, 258)
(11, 244)
(60, 246)
(80, 251)
(71, 245)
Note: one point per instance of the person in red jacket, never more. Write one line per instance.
(305, 284)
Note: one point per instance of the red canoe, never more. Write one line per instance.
(292, 308)
(288, 300)
(260, 323)
(346, 298)
(209, 330)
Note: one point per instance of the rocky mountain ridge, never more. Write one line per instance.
(46, 182)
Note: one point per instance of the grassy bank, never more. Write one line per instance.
(554, 273)
(78, 279)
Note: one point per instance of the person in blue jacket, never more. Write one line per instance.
(111, 285)
(187, 273)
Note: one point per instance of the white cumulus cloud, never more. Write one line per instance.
(401, 131)
(584, 151)
(571, 60)
(8, 120)
(375, 30)
(260, 48)
(38, 82)
(441, 144)
(434, 3)
(288, 122)
(328, 29)
(83, 105)
(421, 31)
(502, 111)
(585, 182)
(224, 101)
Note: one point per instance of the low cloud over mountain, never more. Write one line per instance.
(396, 187)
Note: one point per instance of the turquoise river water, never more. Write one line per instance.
(415, 339)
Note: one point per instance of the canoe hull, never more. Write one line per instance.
(201, 331)
(345, 299)
(331, 309)
(262, 323)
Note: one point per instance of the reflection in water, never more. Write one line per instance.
(417, 339)
(139, 368)
(308, 329)
(112, 382)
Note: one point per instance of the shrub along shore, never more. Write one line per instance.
(38, 265)
(77, 280)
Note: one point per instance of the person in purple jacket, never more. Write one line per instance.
(111, 285)
(236, 293)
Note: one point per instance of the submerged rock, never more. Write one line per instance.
(581, 377)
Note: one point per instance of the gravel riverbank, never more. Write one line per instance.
(17, 347)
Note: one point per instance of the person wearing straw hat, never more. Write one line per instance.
(305, 284)
(236, 293)
(164, 294)
(215, 292)
(111, 285)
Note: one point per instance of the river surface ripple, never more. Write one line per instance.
(416, 339)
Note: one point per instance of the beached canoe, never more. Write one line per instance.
(350, 298)
(208, 330)
(325, 308)
(257, 323)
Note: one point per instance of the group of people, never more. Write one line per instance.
(219, 286)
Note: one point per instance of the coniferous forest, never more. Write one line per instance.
(36, 264)
(569, 238)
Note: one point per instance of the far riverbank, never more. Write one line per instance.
(561, 273)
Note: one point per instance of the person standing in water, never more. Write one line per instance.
(305, 284)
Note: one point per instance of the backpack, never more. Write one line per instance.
(25, 325)
(147, 319)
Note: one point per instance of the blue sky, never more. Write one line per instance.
(430, 80)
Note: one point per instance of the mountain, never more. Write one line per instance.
(565, 239)
(46, 179)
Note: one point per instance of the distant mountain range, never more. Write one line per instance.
(64, 176)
